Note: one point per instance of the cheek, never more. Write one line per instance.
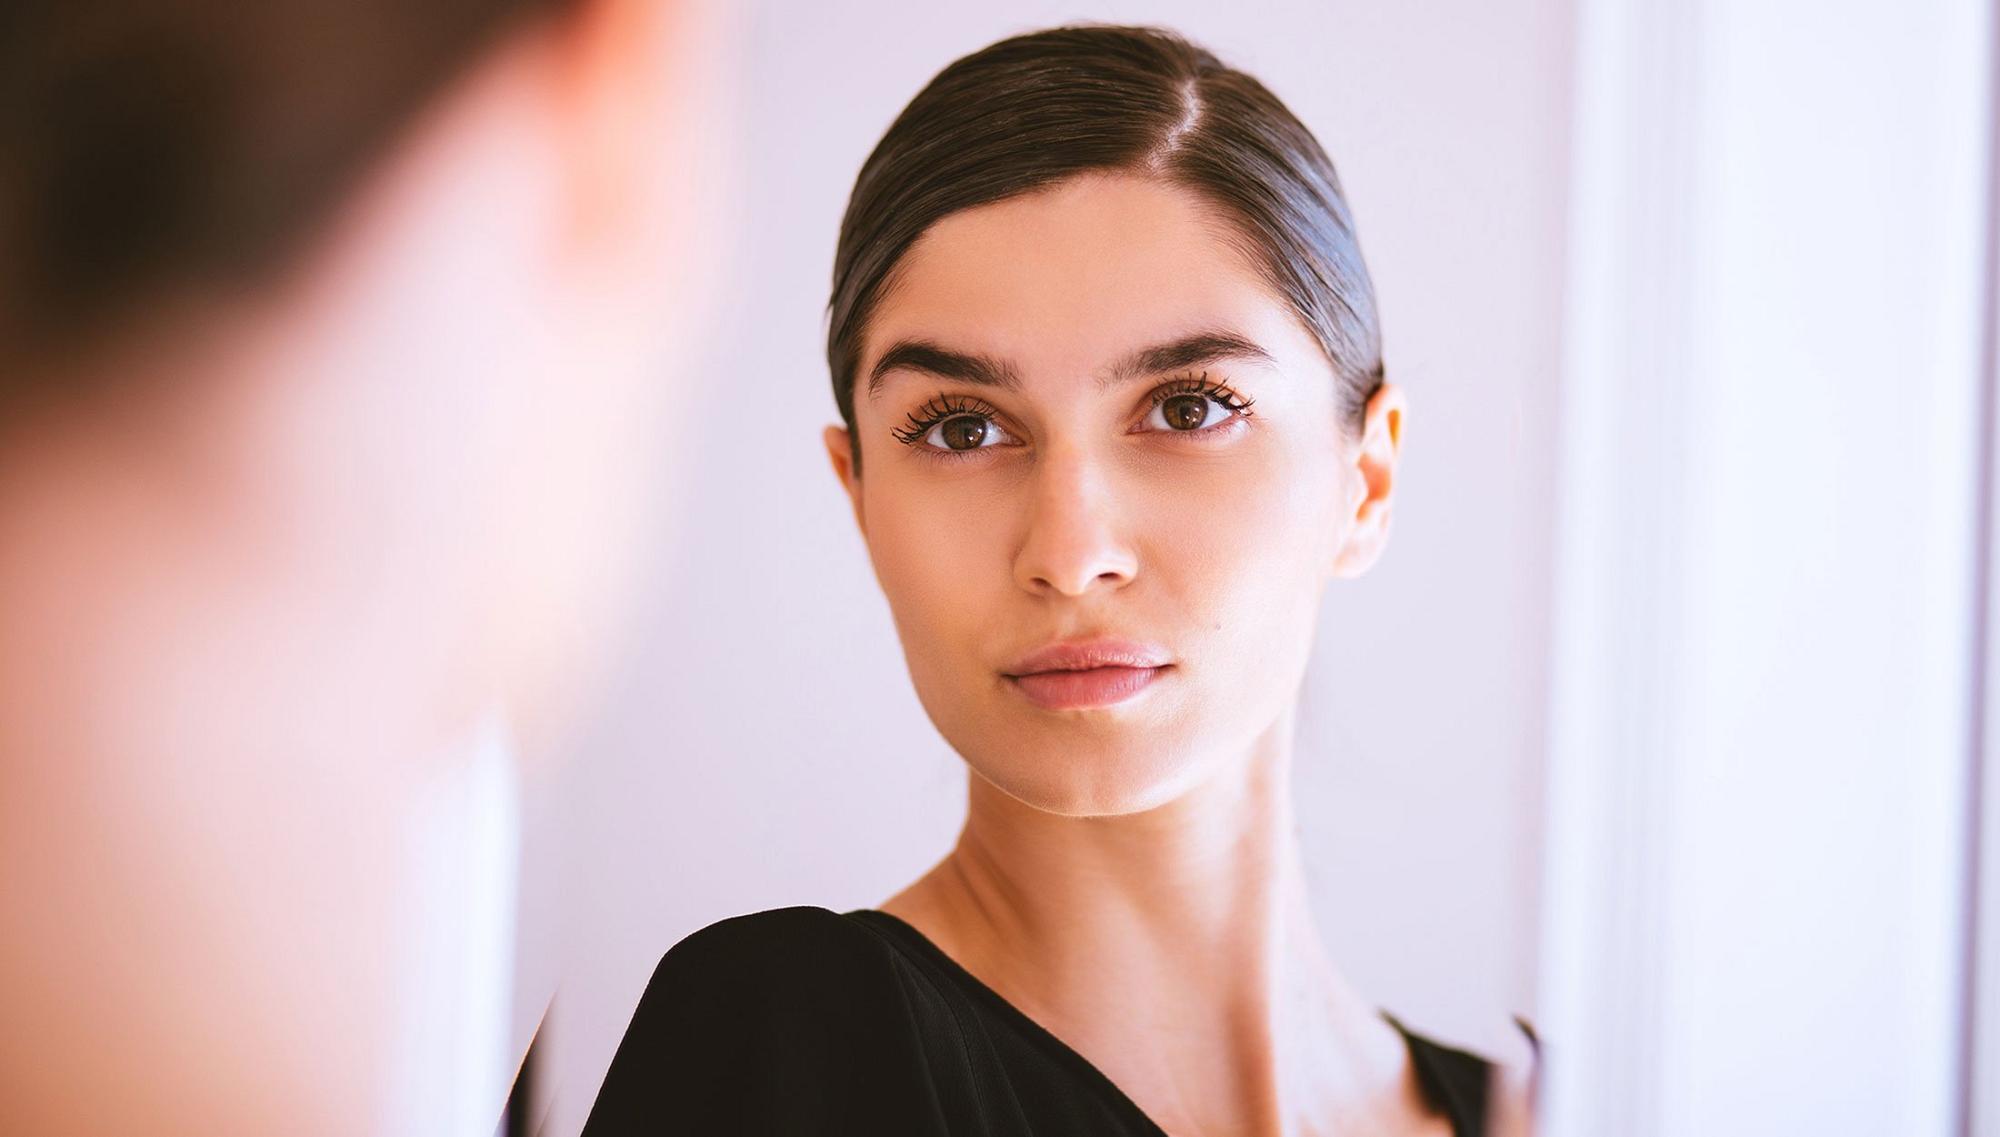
(1241, 536)
(1249, 559)
(941, 560)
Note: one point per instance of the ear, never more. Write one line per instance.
(840, 452)
(1374, 482)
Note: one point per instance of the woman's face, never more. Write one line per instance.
(1104, 480)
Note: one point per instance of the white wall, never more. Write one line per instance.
(765, 748)
(1758, 777)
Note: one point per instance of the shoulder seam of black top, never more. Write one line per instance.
(958, 1023)
(917, 947)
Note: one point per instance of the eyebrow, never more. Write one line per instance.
(1176, 355)
(1185, 353)
(944, 363)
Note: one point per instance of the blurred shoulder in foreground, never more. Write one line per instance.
(330, 341)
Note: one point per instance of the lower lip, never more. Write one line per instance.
(1082, 690)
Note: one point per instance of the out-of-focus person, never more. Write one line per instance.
(332, 343)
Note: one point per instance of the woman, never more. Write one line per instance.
(328, 333)
(1106, 357)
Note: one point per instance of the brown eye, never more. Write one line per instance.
(1185, 412)
(954, 428)
(966, 432)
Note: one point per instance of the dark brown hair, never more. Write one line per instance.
(149, 144)
(1036, 109)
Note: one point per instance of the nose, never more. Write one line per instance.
(1075, 540)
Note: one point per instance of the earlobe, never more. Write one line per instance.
(840, 454)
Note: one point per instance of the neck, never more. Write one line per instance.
(1175, 948)
(1214, 873)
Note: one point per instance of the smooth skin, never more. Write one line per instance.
(1129, 876)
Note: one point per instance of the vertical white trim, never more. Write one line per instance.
(1982, 1061)
(451, 1068)
(1981, 1077)
(1982, 1065)
(1618, 577)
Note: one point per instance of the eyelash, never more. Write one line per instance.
(941, 408)
(1200, 384)
(937, 410)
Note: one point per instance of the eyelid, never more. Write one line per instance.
(942, 408)
(1197, 383)
(1223, 394)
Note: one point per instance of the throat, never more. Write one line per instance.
(1175, 950)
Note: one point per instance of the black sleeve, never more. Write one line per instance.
(786, 1022)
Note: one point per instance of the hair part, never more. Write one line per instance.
(1037, 109)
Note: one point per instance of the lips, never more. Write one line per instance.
(1084, 674)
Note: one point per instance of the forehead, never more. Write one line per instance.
(1065, 280)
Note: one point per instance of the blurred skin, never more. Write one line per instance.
(1128, 874)
(257, 590)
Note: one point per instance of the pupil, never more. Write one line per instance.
(1186, 412)
(965, 433)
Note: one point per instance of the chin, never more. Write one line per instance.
(1068, 779)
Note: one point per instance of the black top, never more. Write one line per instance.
(810, 1022)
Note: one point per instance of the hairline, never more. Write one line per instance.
(1229, 227)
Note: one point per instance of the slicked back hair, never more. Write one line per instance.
(1031, 111)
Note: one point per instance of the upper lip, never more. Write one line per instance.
(1083, 655)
